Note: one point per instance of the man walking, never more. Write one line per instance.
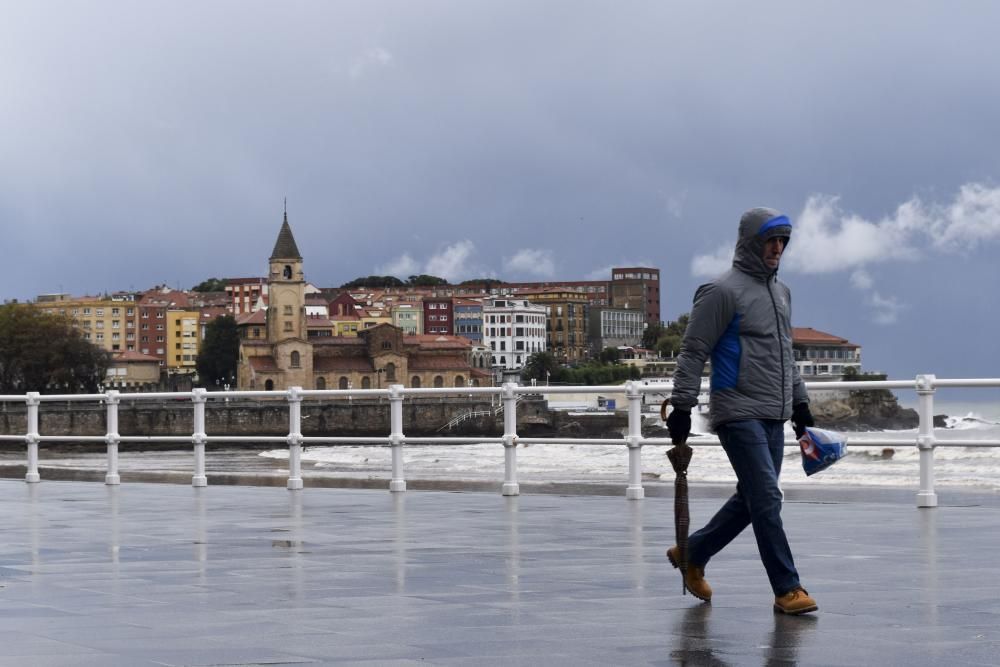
(742, 321)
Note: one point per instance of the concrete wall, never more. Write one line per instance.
(363, 418)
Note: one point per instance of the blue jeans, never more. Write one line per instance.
(755, 448)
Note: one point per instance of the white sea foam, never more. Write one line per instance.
(872, 465)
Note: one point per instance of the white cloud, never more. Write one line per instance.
(826, 239)
(861, 279)
(710, 266)
(452, 263)
(402, 267)
(886, 309)
(532, 261)
(373, 58)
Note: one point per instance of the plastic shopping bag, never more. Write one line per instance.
(821, 449)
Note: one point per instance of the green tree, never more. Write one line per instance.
(541, 366)
(609, 355)
(220, 351)
(424, 280)
(45, 352)
(210, 285)
(652, 334)
(375, 281)
(669, 342)
(485, 282)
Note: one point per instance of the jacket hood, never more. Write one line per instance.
(757, 226)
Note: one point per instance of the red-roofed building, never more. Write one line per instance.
(818, 353)
(283, 347)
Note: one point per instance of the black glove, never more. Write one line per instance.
(802, 417)
(679, 425)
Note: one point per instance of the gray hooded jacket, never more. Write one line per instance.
(742, 320)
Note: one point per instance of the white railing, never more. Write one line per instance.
(925, 441)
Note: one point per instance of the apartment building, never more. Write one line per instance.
(614, 327)
(108, 322)
(468, 316)
(183, 340)
(439, 316)
(409, 316)
(637, 288)
(245, 293)
(513, 329)
(566, 325)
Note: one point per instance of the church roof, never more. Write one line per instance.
(284, 247)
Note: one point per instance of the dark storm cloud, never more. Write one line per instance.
(145, 144)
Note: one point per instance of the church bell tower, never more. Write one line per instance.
(286, 286)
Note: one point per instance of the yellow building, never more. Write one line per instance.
(566, 325)
(108, 323)
(183, 340)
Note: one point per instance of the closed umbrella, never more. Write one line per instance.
(680, 456)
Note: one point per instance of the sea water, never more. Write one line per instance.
(874, 465)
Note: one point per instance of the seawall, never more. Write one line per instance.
(421, 417)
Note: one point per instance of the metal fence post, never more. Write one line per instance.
(510, 485)
(294, 438)
(634, 442)
(199, 437)
(112, 400)
(926, 497)
(31, 437)
(397, 483)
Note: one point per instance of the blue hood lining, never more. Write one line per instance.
(777, 221)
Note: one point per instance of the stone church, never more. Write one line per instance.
(277, 350)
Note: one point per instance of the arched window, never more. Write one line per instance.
(343, 382)
(296, 360)
(415, 382)
(438, 381)
(366, 382)
(390, 372)
(475, 383)
(321, 383)
(459, 381)
(269, 385)
(287, 273)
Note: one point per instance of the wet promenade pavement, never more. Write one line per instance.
(164, 574)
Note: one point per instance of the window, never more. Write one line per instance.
(415, 382)
(287, 272)
(296, 359)
(438, 381)
(459, 381)
(321, 383)
(386, 345)
(269, 385)
(288, 325)
(159, 339)
(390, 372)
(366, 382)
(288, 310)
(343, 382)
(99, 312)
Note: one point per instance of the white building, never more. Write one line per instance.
(513, 329)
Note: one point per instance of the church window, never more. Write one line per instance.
(415, 382)
(288, 326)
(321, 383)
(343, 382)
(459, 381)
(390, 372)
(386, 345)
(366, 382)
(288, 310)
(269, 385)
(296, 360)
(438, 381)
(287, 273)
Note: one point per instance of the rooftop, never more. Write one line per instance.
(167, 574)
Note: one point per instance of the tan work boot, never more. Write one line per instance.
(694, 578)
(795, 602)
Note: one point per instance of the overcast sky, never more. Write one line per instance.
(145, 143)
